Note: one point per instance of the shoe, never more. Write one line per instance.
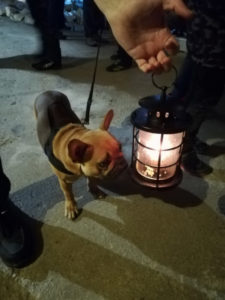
(15, 238)
(46, 64)
(90, 41)
(95, 40)
(200, 146)
(193, 165)
(115, 57)
(119, 66)
(62, 36)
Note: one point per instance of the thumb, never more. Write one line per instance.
(178, 7)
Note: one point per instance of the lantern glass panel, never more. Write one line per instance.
(158, 154)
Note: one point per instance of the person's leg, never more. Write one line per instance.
(206, 90)
(90, 22)
(50, 25)
(37, 9)
(52, 47)
(15, 239)
(89, 19)
(94, 21)
(183, 81)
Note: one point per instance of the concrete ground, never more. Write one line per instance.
(137, 243)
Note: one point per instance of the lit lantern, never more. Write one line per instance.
(158, 134)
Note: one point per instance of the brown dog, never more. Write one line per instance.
(73, 150)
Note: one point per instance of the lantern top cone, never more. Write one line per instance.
(160, 114)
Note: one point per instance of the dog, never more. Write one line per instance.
(73, 150)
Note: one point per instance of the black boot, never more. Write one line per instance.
(193, 165)
(52, 53)
(15, 238)
(47, 64)
(200, 146)
(119, 65)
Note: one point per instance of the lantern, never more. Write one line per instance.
(158, 132)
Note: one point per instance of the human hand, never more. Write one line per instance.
(139, 27)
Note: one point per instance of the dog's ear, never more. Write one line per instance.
(80, 152)
(107, 120)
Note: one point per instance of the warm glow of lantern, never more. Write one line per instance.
(158, 153)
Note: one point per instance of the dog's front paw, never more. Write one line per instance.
(71, 211)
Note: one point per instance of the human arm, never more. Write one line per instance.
(139, 27)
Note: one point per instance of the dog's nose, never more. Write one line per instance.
(124, 165)
(119, 167)
(123, 161)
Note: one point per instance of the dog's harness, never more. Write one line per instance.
(59, 116)
(48, 149)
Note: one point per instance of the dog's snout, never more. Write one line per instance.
(123, 163)
(120, 166)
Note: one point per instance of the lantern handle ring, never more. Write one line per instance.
(163, 88)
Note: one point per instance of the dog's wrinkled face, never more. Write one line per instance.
(99, 153)
(107, 157)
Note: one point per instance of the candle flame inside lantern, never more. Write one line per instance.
(156, 158)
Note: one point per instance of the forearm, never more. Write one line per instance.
(114, 8)
(139, 27)
(107, 6)
(111, 8)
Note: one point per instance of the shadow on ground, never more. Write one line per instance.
(23, 62)
(180, 239)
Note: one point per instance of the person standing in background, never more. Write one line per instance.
(49, 20)
(94, 22)
(201, 80)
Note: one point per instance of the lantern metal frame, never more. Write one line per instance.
(158, 115)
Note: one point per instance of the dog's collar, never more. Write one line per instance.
(49, 152)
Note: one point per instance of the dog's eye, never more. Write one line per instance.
(105, 163)
(102, 165)
(120, 147)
